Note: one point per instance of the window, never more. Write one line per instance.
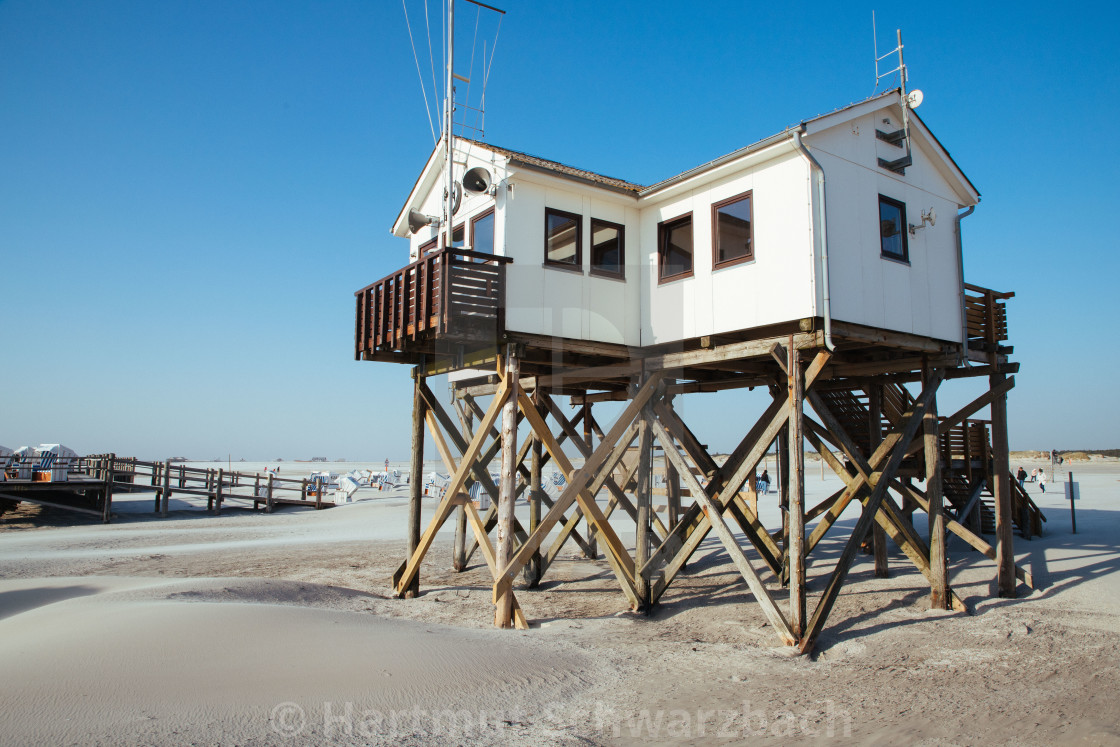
(732, 236)
(457, 236)
(892, 229)
(429, 246)
(674, 249)
(562, 234)
(482, 232)
(608, 248)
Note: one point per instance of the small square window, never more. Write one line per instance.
(732, 231)
(562, 234)
(892, 229)
(674, 249)
(608, 248)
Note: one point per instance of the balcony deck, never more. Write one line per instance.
(451, 295)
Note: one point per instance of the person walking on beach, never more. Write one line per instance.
(764, 483)
(1042, 479)
(1021, 476)
(1034, 474)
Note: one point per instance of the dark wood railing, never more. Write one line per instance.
(452, 293)
(985, 317)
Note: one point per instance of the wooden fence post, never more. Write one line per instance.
(796, 443)
(166, 498)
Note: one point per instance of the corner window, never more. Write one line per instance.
(674, 249)
(732, 235)
(892, 229)
(608, 248)
(562, 234)
(482, 232)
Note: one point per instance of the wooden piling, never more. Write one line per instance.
(643, 496)
(534, 568)
(588, 440)
(503, 612)
(875, 429)
(219, 480)
(938, 558)
(416, 468)
(268, 503)
(1005, 554)
(459, 548)
(796, 444)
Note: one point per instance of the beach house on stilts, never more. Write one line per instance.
(822, 264)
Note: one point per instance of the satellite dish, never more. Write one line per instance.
(477, 181)
(914, 99)
(417, 220)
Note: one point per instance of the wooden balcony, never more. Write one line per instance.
(985, 319)
(453, 294)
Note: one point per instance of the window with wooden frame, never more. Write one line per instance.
(482, 232)
(429, 246)
(456, 237)
(674, 249)
(563, 234)
(608, 249)
(892, 229)
(732, 231)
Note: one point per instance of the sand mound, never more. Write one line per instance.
(134, 661)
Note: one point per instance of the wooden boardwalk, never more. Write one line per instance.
(93, 481)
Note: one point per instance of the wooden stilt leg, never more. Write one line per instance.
(796, 551)
(415, 481)
(783, 498)
(875, 428)
(534, 568)
(1001, 477)
(643, 496)
(588, 440)
(503, 612)
(938, 560)
(459, 549)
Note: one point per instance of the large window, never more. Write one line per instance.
(482, 232)
(732, 237)
(674, 248)
(608, 248)
(892, 229)
(562, 234)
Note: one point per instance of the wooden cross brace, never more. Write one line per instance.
(577, 490)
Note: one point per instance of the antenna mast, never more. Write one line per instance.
(448, 119)
(902, 80)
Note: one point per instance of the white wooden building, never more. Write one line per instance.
(815, 223)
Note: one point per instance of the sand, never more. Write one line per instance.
(280, 629)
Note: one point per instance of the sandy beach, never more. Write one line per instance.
(281, 629)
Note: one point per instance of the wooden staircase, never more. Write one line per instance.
(966, 459)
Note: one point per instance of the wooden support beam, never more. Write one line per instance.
(874, 429)
(715, 517)
(416, 469)
(962, 531)
(503, 613)
(578, 481)
(796, 552)
(938, 557)
(897, 449)
(643, 496)
(533, 569)
(1001, 478)
(402, 579)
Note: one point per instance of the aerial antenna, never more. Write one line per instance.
(908, 101)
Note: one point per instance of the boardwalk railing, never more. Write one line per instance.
(217, 485)
(985, 317)
(452, 293)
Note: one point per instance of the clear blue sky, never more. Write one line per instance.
(190, 192)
